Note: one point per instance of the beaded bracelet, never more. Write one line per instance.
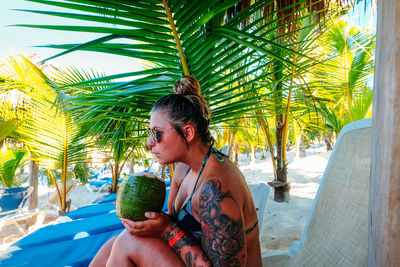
(176, 238)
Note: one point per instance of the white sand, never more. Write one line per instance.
(283, 222)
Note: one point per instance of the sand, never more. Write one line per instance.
(283, 222)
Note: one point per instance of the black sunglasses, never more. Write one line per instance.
(156, 135)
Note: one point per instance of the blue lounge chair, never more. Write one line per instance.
(75, 253)
(13, 200)
(91, 210)
(106, 198)
(75, 243)
(13, 208)
(69, 230)
(89, 225)
(105, 205)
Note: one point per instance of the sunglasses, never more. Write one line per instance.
(155, 134)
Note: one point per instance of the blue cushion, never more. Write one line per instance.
(74, 253)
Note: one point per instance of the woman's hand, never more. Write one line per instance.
(157, 225)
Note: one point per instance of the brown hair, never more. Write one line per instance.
(187, 85)
(187, 106)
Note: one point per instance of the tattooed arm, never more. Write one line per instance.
(223, 238)
(188, 248)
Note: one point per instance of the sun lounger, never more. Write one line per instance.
(106, 198)
(101, 184)
(74, 253)
(70, 185)
(76, 242)
(336, 232)
(13, 200)
(260, 197)
(13, 204)
(70, 230)
(91, 210)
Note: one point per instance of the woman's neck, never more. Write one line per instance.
(196, 155)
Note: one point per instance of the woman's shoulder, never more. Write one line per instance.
(227, 174)
(225, 169)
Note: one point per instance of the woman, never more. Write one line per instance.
(212, 220)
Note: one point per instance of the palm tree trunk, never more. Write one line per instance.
(264, 124)
(33, 182)
(280, 185)
(115, 174)
(64, 175)
(252, 152)
(231, 142)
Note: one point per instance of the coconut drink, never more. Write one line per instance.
(138, 194)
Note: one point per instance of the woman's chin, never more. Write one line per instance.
(162, 162)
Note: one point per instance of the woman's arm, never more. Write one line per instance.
(187, 247)
(223, 238)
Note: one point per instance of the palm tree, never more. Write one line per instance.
(49, 134)
(211, 40)
(10, 160)
(347, 74)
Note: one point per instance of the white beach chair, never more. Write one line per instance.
(336, 232)
(260, 197)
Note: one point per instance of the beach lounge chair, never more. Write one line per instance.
(260, 197)
(65, 243)
(13, 200)
(15, 210)
(70, 230)
(336, 232)
(101, 184)
(74, 253)
(53, 198)
(90, 210)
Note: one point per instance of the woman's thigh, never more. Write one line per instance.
(129, 250)
(103, 254)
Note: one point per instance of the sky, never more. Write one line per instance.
(15, 40)
(22, 40)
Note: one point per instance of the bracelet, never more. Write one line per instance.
(169, 231)
(176, 238)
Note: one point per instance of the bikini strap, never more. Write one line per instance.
(218, 154)
(201, 170)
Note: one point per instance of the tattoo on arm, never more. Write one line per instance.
(223, 238)
(188, 248)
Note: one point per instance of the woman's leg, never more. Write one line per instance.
(129, 250)
(104, 252)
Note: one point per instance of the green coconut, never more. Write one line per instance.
(140, 193)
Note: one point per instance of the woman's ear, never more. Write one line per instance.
(189, 132)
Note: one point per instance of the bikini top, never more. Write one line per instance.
(186, 220)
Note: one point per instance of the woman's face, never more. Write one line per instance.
(165, 143)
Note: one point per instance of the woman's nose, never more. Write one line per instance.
(150, 142)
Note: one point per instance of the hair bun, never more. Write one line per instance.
(187, 85)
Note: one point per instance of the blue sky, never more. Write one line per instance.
(21, 40)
